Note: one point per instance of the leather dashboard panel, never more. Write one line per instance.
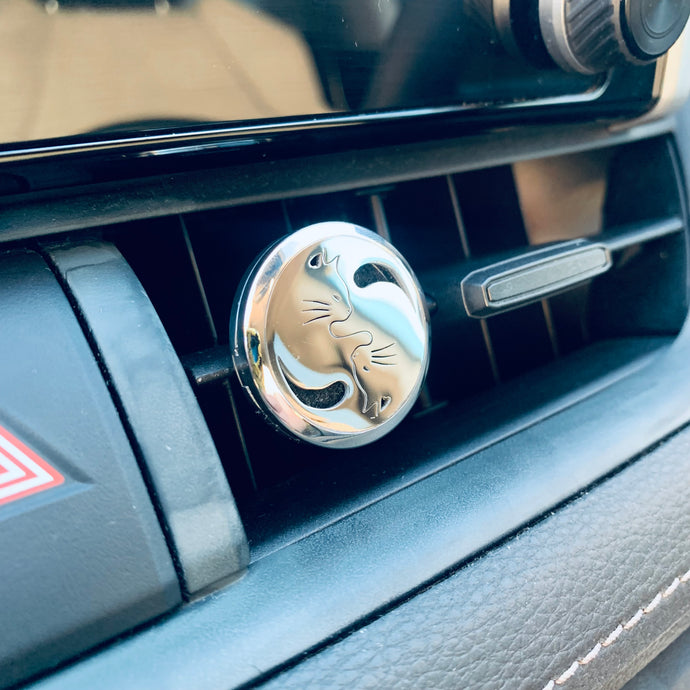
(612, 566)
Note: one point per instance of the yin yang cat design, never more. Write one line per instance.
(341, 346)
(313, 356)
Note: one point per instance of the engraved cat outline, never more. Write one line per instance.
(358, 351)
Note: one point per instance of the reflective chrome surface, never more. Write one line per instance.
(330, 335)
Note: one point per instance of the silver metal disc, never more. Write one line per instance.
(330, 335)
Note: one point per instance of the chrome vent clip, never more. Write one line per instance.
(330, 335)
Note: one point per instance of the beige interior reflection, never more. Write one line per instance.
(66, 71)
(562, 197)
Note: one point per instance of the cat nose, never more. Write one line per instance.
(336, 298)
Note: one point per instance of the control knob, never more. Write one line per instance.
(590, 36)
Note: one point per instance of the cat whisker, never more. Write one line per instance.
(382, 356)
(316, 318)
(315, 309)
(316, 301)
(385, 347)
(383, 364)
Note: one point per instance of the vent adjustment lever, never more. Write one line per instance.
(532, 275)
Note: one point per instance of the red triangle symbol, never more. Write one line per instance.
(22, 472)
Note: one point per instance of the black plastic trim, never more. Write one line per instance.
(160, 408)
(85, 560)
(75, 208)
(615, 97)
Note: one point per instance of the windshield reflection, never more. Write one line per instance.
(72, 67)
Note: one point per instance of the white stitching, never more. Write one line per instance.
(568, 674)
(671, 588)
(617, 631)
(592, 655)
(612, 637)
(634, 620)
(652, 604)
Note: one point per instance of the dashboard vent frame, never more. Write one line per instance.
(276, 494)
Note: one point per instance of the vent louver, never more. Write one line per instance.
(489, 375)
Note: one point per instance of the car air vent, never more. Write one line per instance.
(569, 332)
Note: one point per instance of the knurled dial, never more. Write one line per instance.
(591, 36)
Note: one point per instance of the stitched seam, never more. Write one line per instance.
(617, 632)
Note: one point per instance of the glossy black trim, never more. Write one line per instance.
(93, 195)
(626, 92)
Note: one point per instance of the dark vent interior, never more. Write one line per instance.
(484, 382)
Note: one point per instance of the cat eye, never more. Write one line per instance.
(316, 261)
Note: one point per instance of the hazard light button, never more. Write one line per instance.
(22, 472)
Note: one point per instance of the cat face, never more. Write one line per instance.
(327, 298)
(374, 368)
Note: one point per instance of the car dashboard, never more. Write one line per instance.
(522, 522)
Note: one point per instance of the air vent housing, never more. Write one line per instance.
(488, 377)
